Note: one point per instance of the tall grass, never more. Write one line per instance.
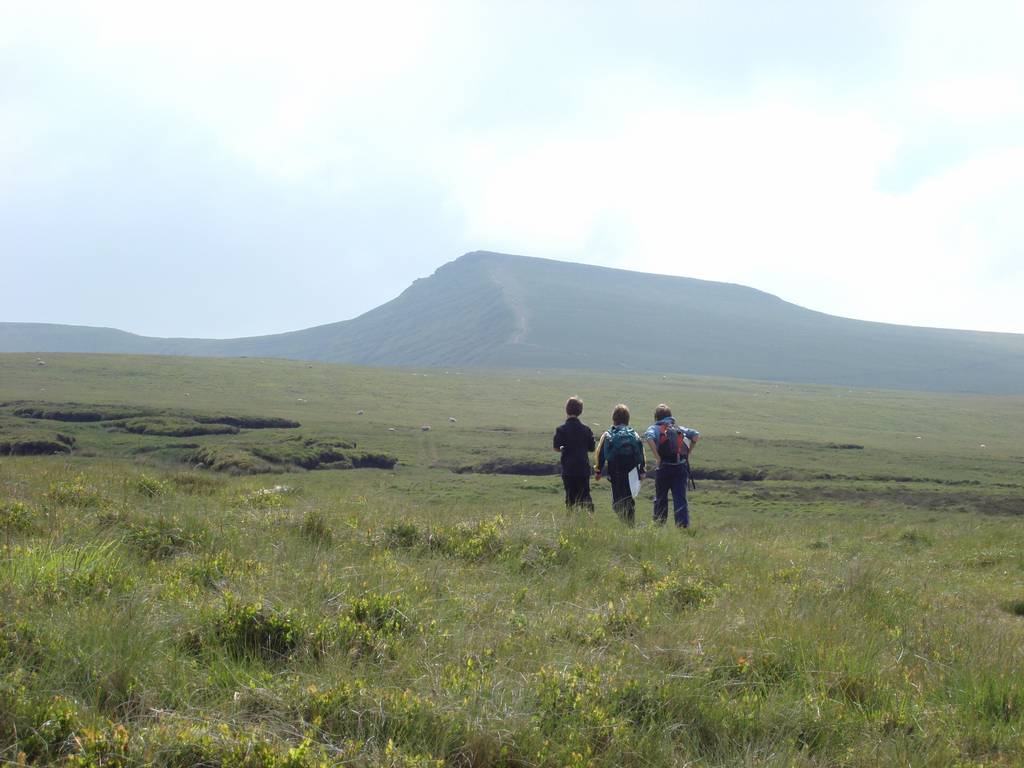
(155, 615)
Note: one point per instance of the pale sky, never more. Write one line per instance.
(225, 169)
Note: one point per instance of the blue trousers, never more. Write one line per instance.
(671, 477)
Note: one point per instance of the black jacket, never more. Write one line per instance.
(575, 440)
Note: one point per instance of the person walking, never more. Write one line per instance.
(622, 450)
(574, 440)
(671, 445)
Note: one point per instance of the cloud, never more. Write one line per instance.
(773, 191)
(859, 159)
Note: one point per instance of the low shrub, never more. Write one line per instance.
(381, 613)
(250, 629)
(540, 554)
(77, 493)
(412, 730)
(369, 625)
(53, 733)
(477, 542)
(667, 596)
(15, 516)
(107, 747)
(264, 498)
(402, 535)
(469, 541)
(192, 745)
(53, 726)
(677, 592)
(620, 619)
(149, 486)
(583, 714)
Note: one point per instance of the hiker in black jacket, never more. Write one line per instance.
(574, 440)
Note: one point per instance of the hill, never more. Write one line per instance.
(496, 310)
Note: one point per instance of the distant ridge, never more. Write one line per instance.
(497, 310)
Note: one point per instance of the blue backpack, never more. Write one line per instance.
(620, 442)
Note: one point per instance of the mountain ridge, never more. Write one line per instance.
(499, 310)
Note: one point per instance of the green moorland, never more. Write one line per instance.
(176, 589)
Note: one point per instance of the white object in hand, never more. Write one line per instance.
(634, 482)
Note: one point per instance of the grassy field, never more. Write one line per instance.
(861, 604)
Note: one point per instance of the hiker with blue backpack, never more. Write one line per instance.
(621, 449)
(671, 445)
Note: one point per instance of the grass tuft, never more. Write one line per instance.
(316, 528)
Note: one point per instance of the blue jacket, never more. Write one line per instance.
(655, 429)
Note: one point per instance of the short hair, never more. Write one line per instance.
(661, 412)
(573, 406)
(621, 414)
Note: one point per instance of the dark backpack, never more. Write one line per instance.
(620, 443)
(672, 446)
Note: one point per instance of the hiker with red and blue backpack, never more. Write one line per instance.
(621, 449)
(672, 445)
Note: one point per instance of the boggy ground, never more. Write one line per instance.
(862, 609)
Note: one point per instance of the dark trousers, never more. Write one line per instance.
(577, 493)
(622, 497)
(671, 477)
